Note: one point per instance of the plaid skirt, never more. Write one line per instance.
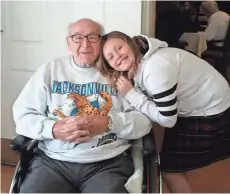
(196, 142)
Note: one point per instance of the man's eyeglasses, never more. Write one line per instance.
(78, 38)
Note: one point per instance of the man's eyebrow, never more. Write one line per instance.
(81, 32)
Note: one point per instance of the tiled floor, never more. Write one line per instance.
(211, 179)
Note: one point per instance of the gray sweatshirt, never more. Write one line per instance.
(45, 97)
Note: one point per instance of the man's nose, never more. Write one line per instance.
(85, 43)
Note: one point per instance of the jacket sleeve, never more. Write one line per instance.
(160, 80)
(130, 124)
(29, 109)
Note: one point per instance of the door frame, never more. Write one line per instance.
(148, 18)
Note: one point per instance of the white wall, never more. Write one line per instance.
(22, 57)
(123, 16)
(120, 15)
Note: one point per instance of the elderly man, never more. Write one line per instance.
(84, 128)
(217, 24)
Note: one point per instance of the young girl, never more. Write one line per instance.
(178, 90)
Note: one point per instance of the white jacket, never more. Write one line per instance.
(177, 83)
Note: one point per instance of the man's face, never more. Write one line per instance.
(84, 49)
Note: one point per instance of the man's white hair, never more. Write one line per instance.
(101, 27)
(209, 6)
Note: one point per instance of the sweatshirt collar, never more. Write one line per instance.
(85, 68)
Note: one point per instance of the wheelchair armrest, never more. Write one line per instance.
(23, 144)
(149, 147)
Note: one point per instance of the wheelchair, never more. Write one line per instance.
(151, 163)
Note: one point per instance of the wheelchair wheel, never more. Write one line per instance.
(16, 180)
(159, 174)
(152, 176)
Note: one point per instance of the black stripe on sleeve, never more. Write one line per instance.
(165, 93)
(166, 103)
(169, 113)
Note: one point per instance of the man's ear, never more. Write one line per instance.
(68, 42)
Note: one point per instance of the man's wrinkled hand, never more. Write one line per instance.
(95, 124)
(69, 129)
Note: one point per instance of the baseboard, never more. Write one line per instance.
(7, 155)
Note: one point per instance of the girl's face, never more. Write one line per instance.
(118, 54)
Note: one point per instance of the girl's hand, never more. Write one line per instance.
(123, 85)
